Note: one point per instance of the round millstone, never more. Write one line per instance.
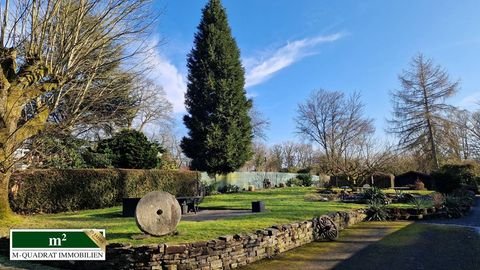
(158, 213)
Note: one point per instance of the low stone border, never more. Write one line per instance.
(226, 252)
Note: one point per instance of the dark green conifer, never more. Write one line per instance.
(220, 130)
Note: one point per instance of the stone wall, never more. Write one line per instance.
(226, 252)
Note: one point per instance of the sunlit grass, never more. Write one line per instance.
(418, 192)
(284, 206)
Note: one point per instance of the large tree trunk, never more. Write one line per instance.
(5, 210)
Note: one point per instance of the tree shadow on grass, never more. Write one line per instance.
(420, 246)
(116, 214)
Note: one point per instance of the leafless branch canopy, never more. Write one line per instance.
(419, 106)
(336, 123)
(61, 62)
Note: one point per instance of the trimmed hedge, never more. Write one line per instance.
(53, 191)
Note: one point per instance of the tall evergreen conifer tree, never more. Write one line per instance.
(220, 130)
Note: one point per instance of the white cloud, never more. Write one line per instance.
(260, 70)
(469, 102)
(167, 75)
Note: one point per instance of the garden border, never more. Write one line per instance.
(225, 252)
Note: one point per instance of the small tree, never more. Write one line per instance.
(220, 129)
(130, 149)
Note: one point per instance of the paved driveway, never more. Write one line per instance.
(471, 220)
(326, 255)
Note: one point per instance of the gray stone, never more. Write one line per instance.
(158, 213)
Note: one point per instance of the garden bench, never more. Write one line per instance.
(191, 203)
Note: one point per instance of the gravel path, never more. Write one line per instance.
(207, 214)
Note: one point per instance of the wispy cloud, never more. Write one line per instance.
(166, 74)
(260, 70)
(469, 102)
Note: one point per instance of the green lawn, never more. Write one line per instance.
(392, 191)
(417, 192)
(283, 205)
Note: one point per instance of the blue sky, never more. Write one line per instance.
(290, 48)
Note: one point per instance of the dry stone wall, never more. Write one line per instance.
(226, 252)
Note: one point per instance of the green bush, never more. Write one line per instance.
(377, 211)
(305, 170)
(451, 177)
(130, 149)
(292, 182)
(374, 195)
(458, 202)
(59, 151)
(421, 203)
(97, 160)
(228, 188)
(210, 189)
(306, 179)
(53, 191)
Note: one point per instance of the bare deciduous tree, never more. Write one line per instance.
(336, 123)
(475, 134)
(418, 107)
(454, 144)
(258, 161)
(51, 51)
(170, 141)
(153, 106)
(259, 123)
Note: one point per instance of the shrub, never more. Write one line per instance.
(306, 179)
(375, 194)
(210, 189)
(167, 162)
(130, 149)
(292, 182)
(59, 150)
(97, 160)
(421, 203)
(377, 211)
(52, 191)
(437, 199)
(419, 185)
(458, 202)
(451, 177)
(314, 197)
(305, 170)
(228, 188)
